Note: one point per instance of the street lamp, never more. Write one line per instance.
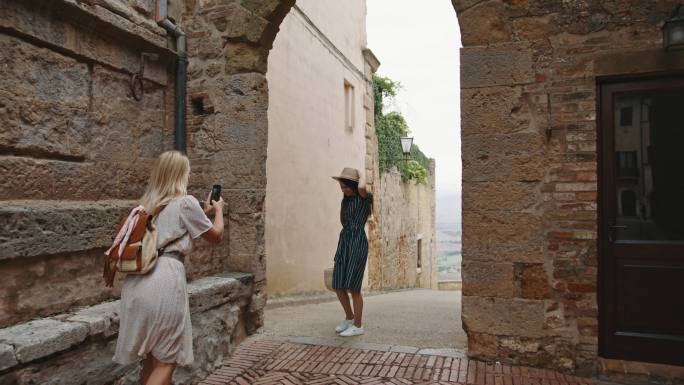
(673, 30)
(406, 144)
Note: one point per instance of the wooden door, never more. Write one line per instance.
(641, 220)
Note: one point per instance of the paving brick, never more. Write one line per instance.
(278, 362)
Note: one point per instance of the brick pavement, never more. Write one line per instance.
(267, 362)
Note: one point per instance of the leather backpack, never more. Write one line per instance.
(140, 253)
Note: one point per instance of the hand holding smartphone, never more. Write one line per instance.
(214, 196)
(216, 192)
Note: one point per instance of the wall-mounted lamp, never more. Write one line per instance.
(673, 30)
(406, 144)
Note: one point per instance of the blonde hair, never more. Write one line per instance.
(168, 180)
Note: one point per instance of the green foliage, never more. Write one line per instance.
(390, 127)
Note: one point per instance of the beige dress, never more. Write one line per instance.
(155, 314)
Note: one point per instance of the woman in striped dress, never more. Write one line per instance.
(352, 251)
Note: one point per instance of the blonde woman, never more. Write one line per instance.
(155, 316)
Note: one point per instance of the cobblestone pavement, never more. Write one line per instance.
(269, 362)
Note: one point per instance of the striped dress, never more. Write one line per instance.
(352, 248)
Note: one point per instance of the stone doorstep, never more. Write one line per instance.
(321, 297)
(336, 342)
(26, 342)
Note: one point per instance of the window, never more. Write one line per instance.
(420, 254)
(627, 164)
(349, 113)
(626, 116)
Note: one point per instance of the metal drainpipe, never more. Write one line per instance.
(175, 30)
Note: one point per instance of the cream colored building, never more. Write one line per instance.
(317, 126)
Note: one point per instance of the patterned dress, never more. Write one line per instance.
(352, 248)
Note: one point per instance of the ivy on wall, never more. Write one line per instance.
(390, 127)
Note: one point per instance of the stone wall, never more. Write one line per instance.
(406, 223)
(529, 73)
(75, 147)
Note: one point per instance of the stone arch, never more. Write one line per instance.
(228, 47)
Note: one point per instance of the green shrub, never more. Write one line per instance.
(390, 127)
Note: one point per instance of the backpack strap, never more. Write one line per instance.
(154, 214)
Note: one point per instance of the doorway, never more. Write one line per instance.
(641, 220)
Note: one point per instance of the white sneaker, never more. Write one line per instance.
(344, 325)
(352, 331)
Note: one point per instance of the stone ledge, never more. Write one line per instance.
(40, 338)
(32, 228)
(27, 342)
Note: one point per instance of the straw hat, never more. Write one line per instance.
(348, 173)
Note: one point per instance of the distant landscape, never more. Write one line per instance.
(448, 231)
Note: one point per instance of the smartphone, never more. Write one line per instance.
(216, 192)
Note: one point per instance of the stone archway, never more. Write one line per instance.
(510, 311)
(229, 43)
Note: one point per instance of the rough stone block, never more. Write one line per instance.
(56, 179)
(511, 157)
(488, 279)
(210, 292)
(42, 95)
(514, 196)
(46, 22)
(146, 7)
(43, 286)
(225, 131)
(7, 357)
(509, 64)
(207, 259)
(237, 23)
(263, 8)
(242, 57)
(502, 236)
(533, 280)
(246, 232)
(40, 338)
(101, 318)
(503, 316)
(482, 345)
(484, 24)
(32, 228)
(497, 110)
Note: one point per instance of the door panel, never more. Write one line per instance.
(642, 220)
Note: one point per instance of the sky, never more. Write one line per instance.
(418, 46)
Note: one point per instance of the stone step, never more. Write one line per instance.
(52, 347)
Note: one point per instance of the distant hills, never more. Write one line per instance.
(448, 211)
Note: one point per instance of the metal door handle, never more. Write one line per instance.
(617, 226)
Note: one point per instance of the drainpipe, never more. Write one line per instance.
(161, 17)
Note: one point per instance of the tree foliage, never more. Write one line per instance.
(390, 127)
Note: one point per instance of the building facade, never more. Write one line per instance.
(317, 125)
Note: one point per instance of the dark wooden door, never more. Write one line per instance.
(641, 220)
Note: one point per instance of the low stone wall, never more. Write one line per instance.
(77, 347)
